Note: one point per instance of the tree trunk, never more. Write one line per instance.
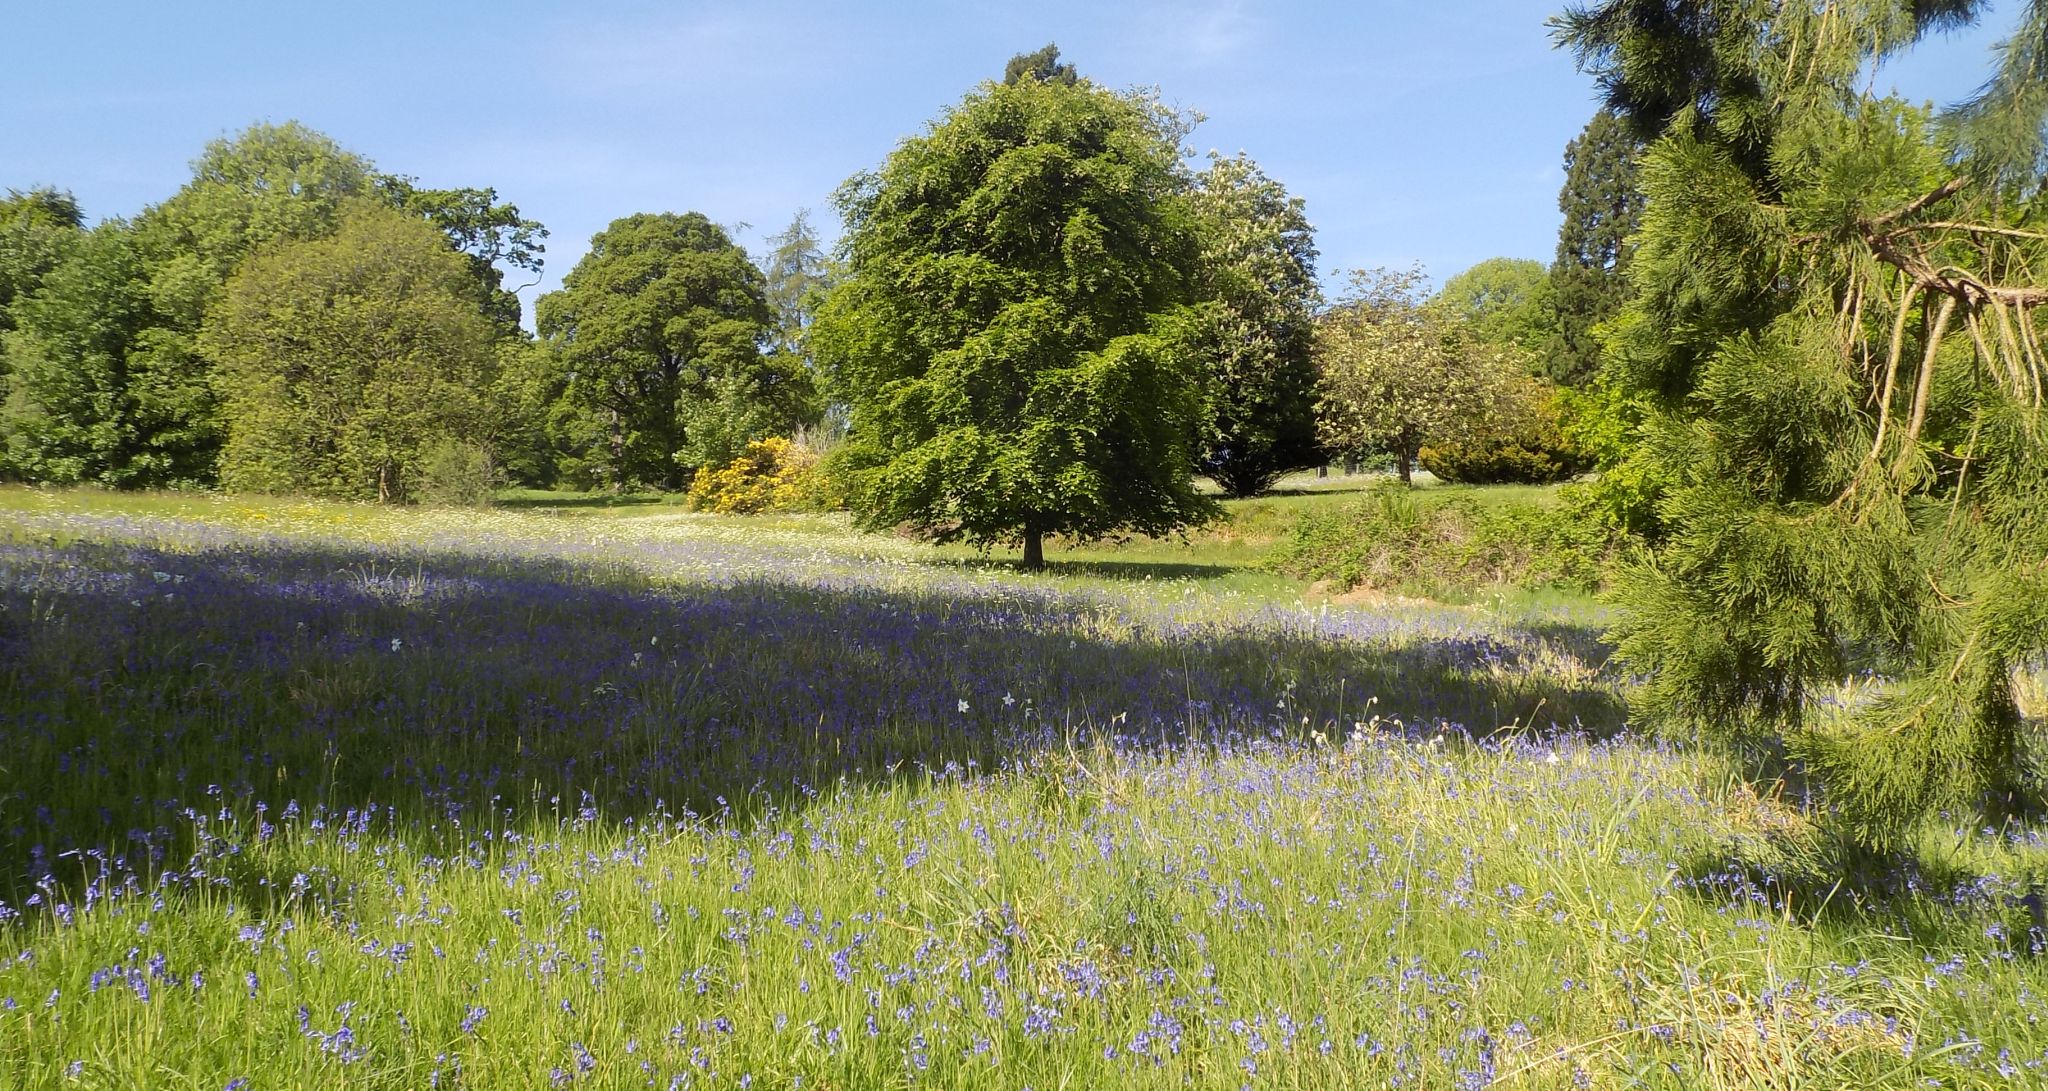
(1034, 548)
(1405, 463)
(618, 444)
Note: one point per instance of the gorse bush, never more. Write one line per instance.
(772, 474)
(1446, 549)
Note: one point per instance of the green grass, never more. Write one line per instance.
(1214, 844)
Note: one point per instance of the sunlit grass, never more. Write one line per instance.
(347, 796)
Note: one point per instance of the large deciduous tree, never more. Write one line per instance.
(1836, 335)
(268, 186)
(35, 229)
(1012, 330)
(1257, 340)
(342, 361)
(94, 393)
(1602, 204)
(489, 232)
(1506, 301)
(1400, 371)
(660, 329)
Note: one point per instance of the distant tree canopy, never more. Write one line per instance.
(659, 330)
(107, 379)
(1048, 324)
(106, 382)
(1401, 371)
(1012, 332)
(1507, 301)
(1834, 349)
(342, 360)
(272, 184)
(488, 232)
(796, 276)
(1257, 335)
(93, 398)
(1043, 65)
(35, 229)
(1602, 204)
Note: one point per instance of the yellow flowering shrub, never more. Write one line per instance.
(772, 474)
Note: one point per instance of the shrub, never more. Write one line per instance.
(455, 474)
(1389, 541)
(771, 474)
(1526, 445)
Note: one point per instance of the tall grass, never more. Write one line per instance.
(335, 796)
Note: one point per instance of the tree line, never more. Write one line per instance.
(1041, 319)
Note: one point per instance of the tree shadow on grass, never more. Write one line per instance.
(1346, 489)
(142, 689)
(1140, 570)
(579, 501)
(1585, 640)
(1830, 885)
(1783, 859)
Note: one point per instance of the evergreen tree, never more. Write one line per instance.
(1602, 205)
(1835, 343)
(795, 277)
(1012, 327)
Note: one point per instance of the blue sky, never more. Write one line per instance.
(1427, 132)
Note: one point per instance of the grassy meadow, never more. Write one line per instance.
(597, 792)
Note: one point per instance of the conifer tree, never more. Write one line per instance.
(1602, 205)
(1836, 336)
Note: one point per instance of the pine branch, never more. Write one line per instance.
(1940, 193)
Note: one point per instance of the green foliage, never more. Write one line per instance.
(1042, 66)
(658, 330)
(1830, 386)
(343, 362)
(485, 230)
(1523, 442)
(1604, 423)
(1602, 204)
(1392, 542)
(1399, 372)
(269, 186)
(1506, 301)
(453, 473)
(96, 393)
(35, 229)
(795, 277)
(527, 408)
(1012, 332)
(1258, 340)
